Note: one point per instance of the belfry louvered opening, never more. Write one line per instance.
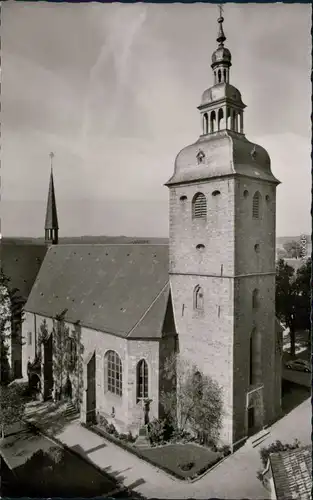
(199, 206)
(256, 205)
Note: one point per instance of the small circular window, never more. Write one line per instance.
(216, 192)
(257, 248)
(200, 247)
(183, 198)
(246, 193)
(267, 198)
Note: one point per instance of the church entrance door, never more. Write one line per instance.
(91, 390)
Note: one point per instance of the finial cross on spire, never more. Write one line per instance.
(51, 158)
(221, 36)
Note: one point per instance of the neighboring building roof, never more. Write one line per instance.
(292, 473)
(21, 263)
(119, 289)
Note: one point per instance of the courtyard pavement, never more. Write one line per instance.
(234, 478)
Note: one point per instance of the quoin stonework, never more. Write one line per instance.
(101, 320)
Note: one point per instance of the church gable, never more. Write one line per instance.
(118, 289)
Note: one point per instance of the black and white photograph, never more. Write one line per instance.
(155, 250)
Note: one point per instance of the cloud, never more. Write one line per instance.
(113, 90)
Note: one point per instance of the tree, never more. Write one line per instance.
(275, 447)
(293, 298)
(303, 297)
(196, 404)
(11, 317)
(293, 249)
(285, 299)
(12, 406)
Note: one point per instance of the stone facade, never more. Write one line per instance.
(228, 269)
(123, 411)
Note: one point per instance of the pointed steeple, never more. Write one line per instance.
(51, 224)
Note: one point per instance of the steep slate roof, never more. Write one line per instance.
(292, 473)
(21, 263)
(119, 289)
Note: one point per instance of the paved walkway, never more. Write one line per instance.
(234, 478)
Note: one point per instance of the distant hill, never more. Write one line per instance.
(280, 240)
(85, 240)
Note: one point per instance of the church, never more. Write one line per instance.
(208, 295)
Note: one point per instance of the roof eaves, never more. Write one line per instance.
(84, 324)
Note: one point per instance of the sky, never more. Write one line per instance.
(113, 90)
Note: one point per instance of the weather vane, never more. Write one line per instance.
(221, 9)
(51, 158)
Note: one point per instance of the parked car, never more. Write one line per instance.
(300, 365)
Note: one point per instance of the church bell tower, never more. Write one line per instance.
(222, 257)
(51, 224)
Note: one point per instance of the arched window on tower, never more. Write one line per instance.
(219, 76)
(225, 76)
(220, 118)
(198, 298)
(205, 123)
(142, 380)
(199, 206)
(256, 201)
(234, 127)
(255, 298)
(212, 122)
(228, 119)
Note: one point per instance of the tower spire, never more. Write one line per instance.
(51, 224)
(221, 35)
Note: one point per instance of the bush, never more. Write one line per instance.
(102, 421)
(225, 450)
(156, 430)
(111, 430)
(181, 435)
(130, 437)
(275, 447)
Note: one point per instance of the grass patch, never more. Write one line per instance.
(185, 461)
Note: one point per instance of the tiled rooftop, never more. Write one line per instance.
(292, 473)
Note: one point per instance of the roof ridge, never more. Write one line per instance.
(109, 244)
(146, 312)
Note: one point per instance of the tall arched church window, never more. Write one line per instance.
(142, 380)
(256, 205)
(219, 76)
(113, 368)
(198, 298)
(199, 206)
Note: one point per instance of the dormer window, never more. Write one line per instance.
(200, 157)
